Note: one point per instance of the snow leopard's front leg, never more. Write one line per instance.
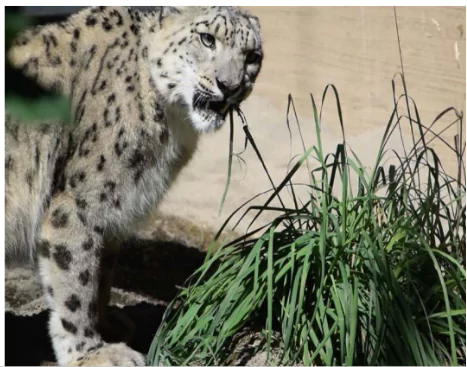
(69, 251)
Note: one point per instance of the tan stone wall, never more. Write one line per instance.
(307, 48)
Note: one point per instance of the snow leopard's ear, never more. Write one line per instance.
(254, 21)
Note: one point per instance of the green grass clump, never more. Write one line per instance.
(371, 275)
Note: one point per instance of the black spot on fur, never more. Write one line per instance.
(106, 25)
(103, 85)
(80, 346)
(62, 257)
(13, 130)
(95, 347)
(88, 333)
(43, 249)
(73, 46)
(158, 112)
(29, 179)
(130, 54)
(21, 41)
(136, 159)
(91, 53)
(45, 128)
(134, 29)
(55, 60)
(84, 277)
(141, 112)
(107, 121)
(99, 230)
(37, 156)
(116, 14)
(59, 177)
(110, 185)
(171, 85)
(111, 99)
(120, 144)
(91, 21)
(59, 218)
(82, 218)
(73, 303)
(76, 33)
(90, 135)
(88, 244)
(8, 167)
(101, 163)
(137, 16)
(31, 67)
(77, 177)
(69, 326)
(81, 203)
(50, 291)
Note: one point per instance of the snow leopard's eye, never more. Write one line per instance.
(253, 57)
(208, 40)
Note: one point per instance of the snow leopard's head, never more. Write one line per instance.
(207, 60)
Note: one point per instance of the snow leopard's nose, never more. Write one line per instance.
(228, 89)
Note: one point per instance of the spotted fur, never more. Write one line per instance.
(143, 85)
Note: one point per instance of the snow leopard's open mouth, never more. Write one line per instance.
(201, 103)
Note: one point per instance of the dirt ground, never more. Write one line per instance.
(306, 48)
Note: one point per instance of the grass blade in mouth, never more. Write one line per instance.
(229, 165)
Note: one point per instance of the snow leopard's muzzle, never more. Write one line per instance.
(219, 109)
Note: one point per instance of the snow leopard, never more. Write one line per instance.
(143, 86)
